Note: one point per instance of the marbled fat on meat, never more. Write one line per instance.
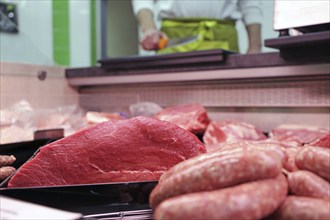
(139, 149)
(301, 133)
(231, 130)
(323, 141)
(192, 117)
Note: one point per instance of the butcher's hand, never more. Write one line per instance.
(152, 38)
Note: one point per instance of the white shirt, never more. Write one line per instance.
(248, 10)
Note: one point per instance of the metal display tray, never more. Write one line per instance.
(92, 200)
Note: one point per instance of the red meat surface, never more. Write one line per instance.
(323, 141)
(302, 134)
(231, 130)
(138, 149)
(192, 117)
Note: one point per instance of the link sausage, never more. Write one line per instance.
(225, 150)
(6, 172)
(254, 200)
(314, 159)
(290, 164)
(6, 160)
(305, 183)
(219, 172)
(303, 208)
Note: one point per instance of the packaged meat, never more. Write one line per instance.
(303, 134)
(305, 183)
(231, 130)
(303, 208)
(218, 172)
(137, 149)
(314, 159)
(253, 200)
(192, 117)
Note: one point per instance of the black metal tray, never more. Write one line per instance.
(307, 47)
(88, 199)
(23, 151)
(185, 59)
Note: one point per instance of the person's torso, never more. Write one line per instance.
(217, 9)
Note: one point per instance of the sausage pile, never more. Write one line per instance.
(247, 180)
(5, 169)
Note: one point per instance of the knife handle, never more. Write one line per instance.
(162, 43)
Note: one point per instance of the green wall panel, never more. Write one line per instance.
(61, 32)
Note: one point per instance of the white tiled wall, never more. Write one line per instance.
(20, 82)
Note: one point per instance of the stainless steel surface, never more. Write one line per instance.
(124, 215)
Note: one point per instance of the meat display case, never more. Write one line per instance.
(265, 90)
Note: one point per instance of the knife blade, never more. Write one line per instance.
(165, 42)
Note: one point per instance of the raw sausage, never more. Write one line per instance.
(314, 159)
(225, 150)
(303, 208)
(290, 164)
(6, 172)
(218, 172)
(6, 160)
(254, 200)
(305, 183)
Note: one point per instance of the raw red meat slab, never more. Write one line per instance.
(301, 133)
(192, 117)
(231, 130)
(323, 141)
(138, 149)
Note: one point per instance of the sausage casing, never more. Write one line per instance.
(253, 200)
(305, 183)
(314, 159)
(218, 172)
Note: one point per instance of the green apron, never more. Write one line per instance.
(212, 34)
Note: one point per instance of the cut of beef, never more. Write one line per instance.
(300, 133)
(323, 141)
(98, 117)
(138, 149)
(192, 117)
(231, 130)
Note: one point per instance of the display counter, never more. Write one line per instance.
(263, 89)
